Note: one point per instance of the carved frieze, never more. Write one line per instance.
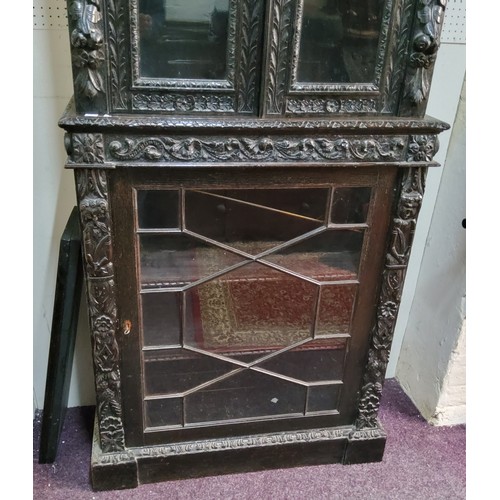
(264, 149)
(311, 105)
(97, 251)
(183, 102)
(401, 238)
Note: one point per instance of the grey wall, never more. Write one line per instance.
(438, 308)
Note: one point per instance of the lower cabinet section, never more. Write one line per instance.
(237, 326)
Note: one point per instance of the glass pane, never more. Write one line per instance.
(161, 320)
(350, 205)
(174, 260)
(173, 371)
(339, 41)
(315, 361)
(255, 220)
(249, 312)
(329, 256)
(248, 394)
(335, 309)
(160, 412)
(323, 397)
(158, 209)
(182, 39)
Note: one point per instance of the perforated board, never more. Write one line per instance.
(52, 14)
(49, 14)
(454, 22)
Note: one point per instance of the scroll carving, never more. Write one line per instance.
(429, 21)
(403, 229)
(87, 47)
(264, 149)
(97, 251)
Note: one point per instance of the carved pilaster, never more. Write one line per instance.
(396, 262)
(423, 51)
(92, 193)
(279, 36)
(87, 54)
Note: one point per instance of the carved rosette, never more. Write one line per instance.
(97, 251)
(86, 148)
(429, 22)
(401, 238)
(264, 149)
(422, 147)
(87, 48)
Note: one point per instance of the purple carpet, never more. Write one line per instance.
(420, 462)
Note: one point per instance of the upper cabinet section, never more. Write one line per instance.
(254, 57)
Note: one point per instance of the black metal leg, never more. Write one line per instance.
(62, 341)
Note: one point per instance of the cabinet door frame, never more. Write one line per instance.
(282, 94)
(236, 94)
(123, 185)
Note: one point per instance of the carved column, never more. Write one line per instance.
(92, 192)
(423, 51)
(396, 263)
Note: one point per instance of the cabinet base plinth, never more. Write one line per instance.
(365, 445)
(184, 460)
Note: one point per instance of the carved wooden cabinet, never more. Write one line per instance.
(249, 175)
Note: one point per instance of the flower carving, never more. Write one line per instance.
(422, 148)
(88, 148)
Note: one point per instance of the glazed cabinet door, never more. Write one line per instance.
(331, 57)
(185, 56)
(248, 306)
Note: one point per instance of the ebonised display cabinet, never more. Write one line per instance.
(249, 175)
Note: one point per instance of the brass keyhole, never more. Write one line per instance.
(127, 327)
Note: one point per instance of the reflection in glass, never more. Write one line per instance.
(249, 312)
(180, 39)
(314, 361)
(331, 255)
(161, 412)
(339, 41)
(172, 371)
(174, 260)
(335, 309)
(158, 209)
(255, 220)
(248, 394)
(323, 397)
(350, 205)
(161, 323)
